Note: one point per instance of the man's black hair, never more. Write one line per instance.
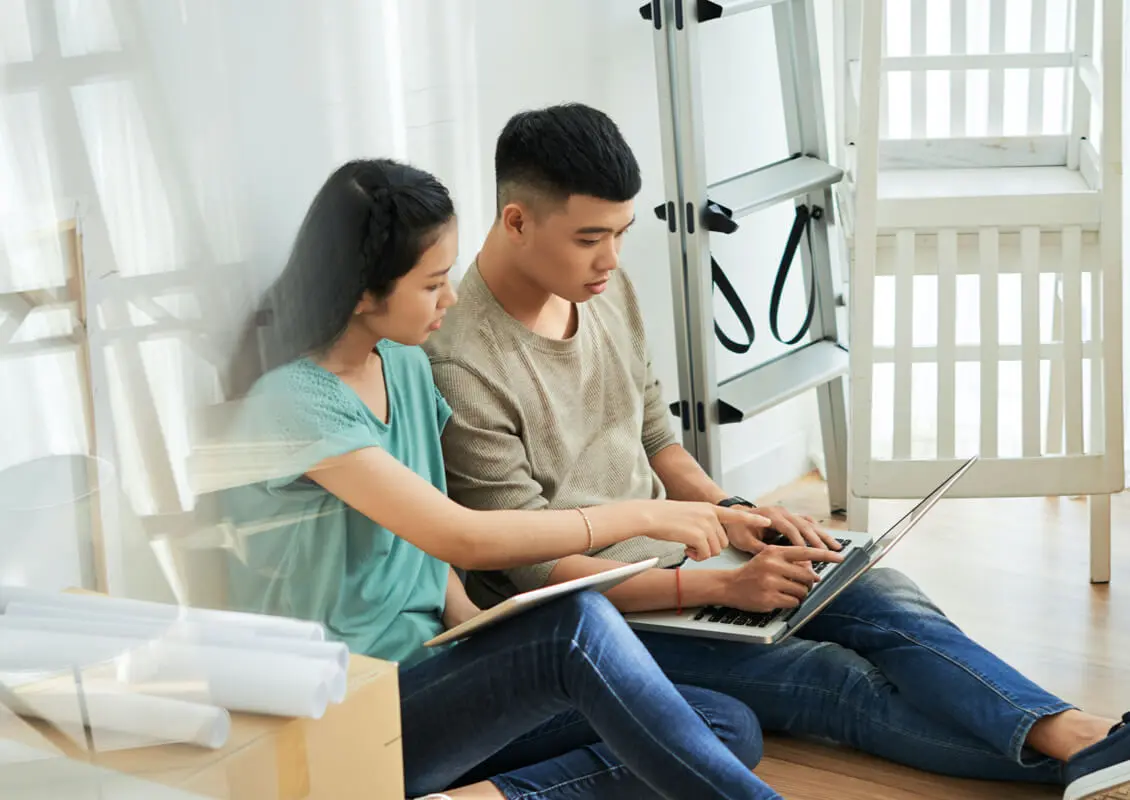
(553, 153)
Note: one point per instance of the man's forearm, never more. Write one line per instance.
(655, 590)
(683, 478)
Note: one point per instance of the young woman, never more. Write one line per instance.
(353, 529)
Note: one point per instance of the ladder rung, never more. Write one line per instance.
(781, 379)
(713, 9)
(767, 186)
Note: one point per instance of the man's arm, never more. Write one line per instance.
(683, 478)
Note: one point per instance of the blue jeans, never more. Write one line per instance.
(564, 702)
(882, 670)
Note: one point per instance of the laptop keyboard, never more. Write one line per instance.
(753, 619)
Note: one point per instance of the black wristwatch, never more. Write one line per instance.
(736, 501)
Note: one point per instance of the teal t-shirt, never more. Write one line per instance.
(298, 550)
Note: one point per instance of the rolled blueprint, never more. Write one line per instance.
(92, 604)
(32, 616)
(120, 718)
(257, 681)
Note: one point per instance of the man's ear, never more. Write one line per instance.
(515, 220)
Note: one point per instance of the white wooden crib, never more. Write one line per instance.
(982, 211)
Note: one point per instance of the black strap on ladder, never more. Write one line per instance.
(801, 227)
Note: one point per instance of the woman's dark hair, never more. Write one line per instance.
(367, 228)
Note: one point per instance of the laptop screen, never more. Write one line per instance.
(884, 543)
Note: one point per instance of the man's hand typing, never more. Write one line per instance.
(777, 577)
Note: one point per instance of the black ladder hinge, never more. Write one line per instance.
(718, 218)
(651, 12)
(666, 212)
(682, 410)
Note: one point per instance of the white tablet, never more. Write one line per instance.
(601, 582)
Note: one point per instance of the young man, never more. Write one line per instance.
(545, 364)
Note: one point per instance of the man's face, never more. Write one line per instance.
(572, 249)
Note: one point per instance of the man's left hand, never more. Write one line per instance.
(799, 530)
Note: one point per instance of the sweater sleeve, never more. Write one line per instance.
(657, 432)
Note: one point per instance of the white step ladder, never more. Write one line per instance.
(694, 209)
(1017, 231)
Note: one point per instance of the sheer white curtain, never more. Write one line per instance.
(186, 138)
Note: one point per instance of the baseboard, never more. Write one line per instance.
(770, 469)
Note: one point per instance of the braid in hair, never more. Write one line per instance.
(376, 241)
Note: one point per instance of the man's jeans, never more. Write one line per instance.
(564, 702)
(884, 671)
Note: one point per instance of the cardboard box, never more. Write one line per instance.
(352, 752)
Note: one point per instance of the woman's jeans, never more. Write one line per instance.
(564, 701)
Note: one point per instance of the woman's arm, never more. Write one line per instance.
(383, 489)
(457, 606)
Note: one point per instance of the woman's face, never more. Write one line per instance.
(418, 301)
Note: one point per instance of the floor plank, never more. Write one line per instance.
(1014, 575)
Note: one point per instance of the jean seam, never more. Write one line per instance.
(506, 786)
(1029, 716)
(862, 710)
(612, 691)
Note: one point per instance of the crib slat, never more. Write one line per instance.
(918, 94)
(904, 343)
(1030, 339)
(989, 240)
(1055, 377)
(947, 342)
(957, 77)
(1098, 419)
(884, 89)
(998, 21)
(1073, 337)
(1081, 97)
(1036, 76)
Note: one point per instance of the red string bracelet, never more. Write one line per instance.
(678, 591)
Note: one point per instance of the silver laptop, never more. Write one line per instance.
(861, 552)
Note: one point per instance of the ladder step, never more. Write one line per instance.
(713, 9)
(781, 379)
(772, 184)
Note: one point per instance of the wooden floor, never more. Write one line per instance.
(1014, 575)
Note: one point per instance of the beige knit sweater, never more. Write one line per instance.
(543, 423)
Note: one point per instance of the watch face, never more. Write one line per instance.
(736, 501)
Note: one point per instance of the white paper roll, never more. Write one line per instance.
(262, 624)
(256, 681)
(33, 616)
(146, 720)
(50, 651)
